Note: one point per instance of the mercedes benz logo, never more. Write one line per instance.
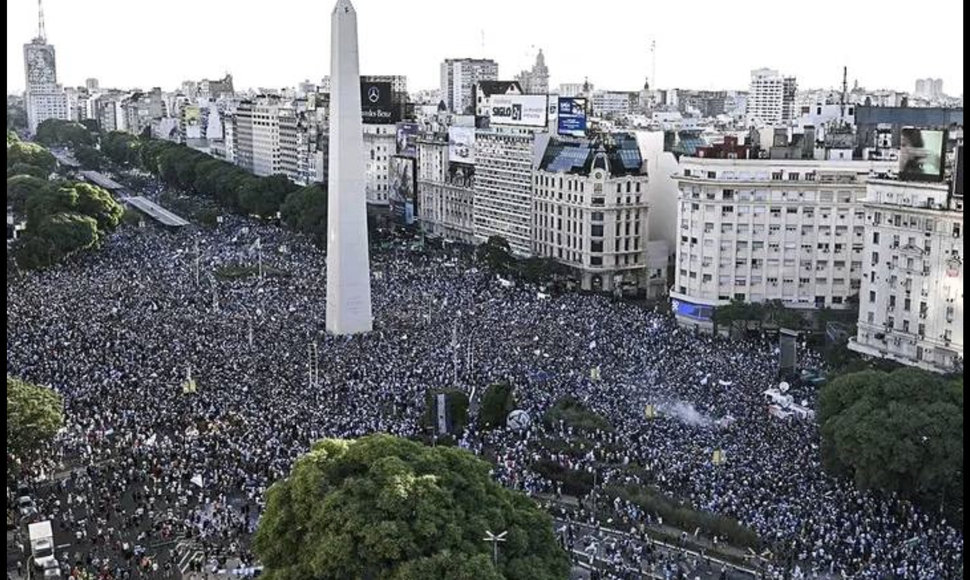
(373, 95)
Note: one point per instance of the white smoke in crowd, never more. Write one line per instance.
(685, 413)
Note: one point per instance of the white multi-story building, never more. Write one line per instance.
(257, 135)
(590, 211)
(446, 193)
(614, 103)
(43, 98)
(299, 131)
(767, 229)
(459, 75)
(771, 98)
(380, 143)
(574, 89)
(911, 303)
(504, 159)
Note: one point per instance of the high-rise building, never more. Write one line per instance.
(590, 210)
(535, 81)
(213, 89)
(930, 89)
(769, 229)
(771, 99)
(575, 89)
(257, 133)
(91, 84)
(458, 77)
(446, 193)
(44, 99)
(503, 186)
(911, 301)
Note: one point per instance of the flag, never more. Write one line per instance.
(256, 245)
(649, 412)
(197, 479)
(718, 457)
(151, 440)
(594, 373)
(189, 387)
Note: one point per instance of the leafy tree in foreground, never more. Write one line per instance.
(61, 132)
(900, 431)
(30, 154)
(89, 157)
(34, 415)
(96, 202)
(496, 253)
(20, 188)
(382, 507)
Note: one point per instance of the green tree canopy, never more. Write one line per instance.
(30, 154)
(96, 202)
(382, 507)
(498, 401)
(89, 157)
(69, 232)
(121, 148)
(305, 210)
(60, 132)
(16, 117)
(496, 253)
(899, 431)
(34, 415)
(263, 196)
(20, 188)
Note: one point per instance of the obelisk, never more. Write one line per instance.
(348, 263)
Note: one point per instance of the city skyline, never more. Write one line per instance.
(610, 47)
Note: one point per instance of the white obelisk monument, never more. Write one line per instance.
(348, 263)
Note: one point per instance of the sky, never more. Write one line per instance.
(704, 44)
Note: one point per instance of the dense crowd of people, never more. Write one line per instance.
(119, 333)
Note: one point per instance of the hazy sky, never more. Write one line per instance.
(700, 44)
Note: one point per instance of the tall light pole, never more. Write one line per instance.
(490, 537)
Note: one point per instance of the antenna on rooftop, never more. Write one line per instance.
(41, 33)
(653, 71)
(845, 88)
(483, 43)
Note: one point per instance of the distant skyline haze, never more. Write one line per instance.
(714, 45)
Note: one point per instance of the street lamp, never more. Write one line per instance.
(490, 537)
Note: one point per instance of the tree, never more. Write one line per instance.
(24, 169)
(900, 431)
(88, 157)
(496, 254)
(121, 148)
(263, 196)
(30, 154)
(69, 232)
(60, 132)
(382, 507)
(20, 188)
(91, 125)
(34, 415)
(49, 201)
(542, 270)
(498, 401)
(97, 203)
(12, 136)
(305, 211)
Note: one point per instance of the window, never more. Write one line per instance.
(776, 176)
(792, 177)
(596, 246)
(875, 237)
(872, 296)
(596, 230)
(596, 216)
(712, 175)
(596, 260)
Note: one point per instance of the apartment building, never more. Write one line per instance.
(380, 143)
(911, 300)
(446, 193)
(458, 77)
(590, 210)
(766, 229)
(504, 158)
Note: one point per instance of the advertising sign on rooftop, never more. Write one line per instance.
(518, 110)
(376, 107)
(572, 116)
(461, 144)
(921, 154)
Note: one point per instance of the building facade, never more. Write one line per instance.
(380, 143)
(911, 303)
(503, 186)
(43, 98)
(590, 211)
(446, 193)
(762, 229)
(458, 77)
(771, 99)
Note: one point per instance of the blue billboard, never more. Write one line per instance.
(689, 310)
(572, 116)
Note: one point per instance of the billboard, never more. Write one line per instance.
(572, 116)
(376, 107)
(518, 110)
(921, 154)
(461, 144)
(192, 115)
(407, 133)
(403, 194)
(690, 310)
(788, 350)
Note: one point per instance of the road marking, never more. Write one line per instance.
(63, 546)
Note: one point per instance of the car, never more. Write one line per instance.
(52, 569)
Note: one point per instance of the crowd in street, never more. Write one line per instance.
(119, 332)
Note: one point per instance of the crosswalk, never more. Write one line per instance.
(187, 551)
